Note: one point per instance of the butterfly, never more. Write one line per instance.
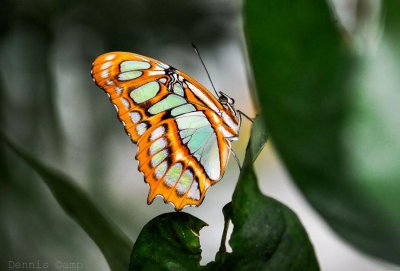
(183, 131)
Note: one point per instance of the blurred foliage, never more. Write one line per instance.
(332, 111)
(114, 245)
(124, 23)
(46, 49)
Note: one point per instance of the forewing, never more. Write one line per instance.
(133, 83)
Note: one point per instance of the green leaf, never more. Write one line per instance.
(267, 235)
(259, 136)
(168, 242)
(112, 242)
(333, 115)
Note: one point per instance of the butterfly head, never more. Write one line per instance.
(230, 116)
(224, 99)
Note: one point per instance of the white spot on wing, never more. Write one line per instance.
(116, 107)
(158, 158)
(202, 97)
(105, 74)
(106, 65)
(159, 131)
(141, 128)
(110, 57)
(126, 103)
(119, 90)
(150, 73)
(161, 169)
(194, 192)
(158, 68)
(162, 65)
(158, 145)
(135, 116)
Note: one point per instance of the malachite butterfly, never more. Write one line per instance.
(183, 131)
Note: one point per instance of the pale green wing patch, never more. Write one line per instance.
(132, 65)
(192, 120)
(145, 92)
(199, 137)
(161, 169)
(158, 145)
(179, 90)
(159, 157)
(168, 102)
(173, 174)
(183, 109)
(184, 182)
(125, 76)
(210, 158)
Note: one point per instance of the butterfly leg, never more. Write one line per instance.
(236, 159)
(244, 115)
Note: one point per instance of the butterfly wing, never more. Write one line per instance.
(173, 119)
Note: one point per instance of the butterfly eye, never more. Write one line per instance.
(223, 100)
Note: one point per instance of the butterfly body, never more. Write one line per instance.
(183, 132)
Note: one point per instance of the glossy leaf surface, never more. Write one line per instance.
(168, 242)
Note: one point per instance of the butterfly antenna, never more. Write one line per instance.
(204, 65)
